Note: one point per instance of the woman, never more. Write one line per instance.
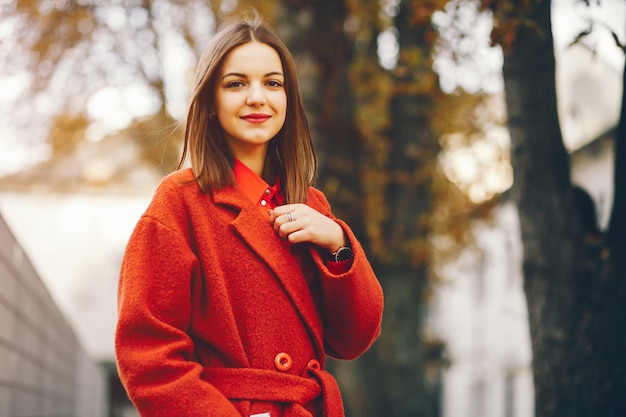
(238, 279)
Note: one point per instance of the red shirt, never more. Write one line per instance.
(265, 197)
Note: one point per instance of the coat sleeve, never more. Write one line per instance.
(153, 350)
(352, 301)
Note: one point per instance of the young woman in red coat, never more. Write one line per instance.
(238, 280)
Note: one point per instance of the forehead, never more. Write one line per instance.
(252, 57)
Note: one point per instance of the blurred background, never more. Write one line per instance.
(411, 105)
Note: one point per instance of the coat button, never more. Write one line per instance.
(283, 362)
(314, 364)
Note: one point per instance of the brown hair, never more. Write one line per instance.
(290, 154)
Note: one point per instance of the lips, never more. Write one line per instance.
(256, 117)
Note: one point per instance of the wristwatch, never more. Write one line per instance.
(343, 254)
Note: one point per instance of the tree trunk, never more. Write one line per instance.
(575, 308)
(541, 171)
(410, 199)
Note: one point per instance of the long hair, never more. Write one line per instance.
(290, 154)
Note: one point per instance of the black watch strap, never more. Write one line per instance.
(343, 254)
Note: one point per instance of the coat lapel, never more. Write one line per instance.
(255, 230)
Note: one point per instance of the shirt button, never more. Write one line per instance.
(263, 203)
(283, 362)
(268, 192)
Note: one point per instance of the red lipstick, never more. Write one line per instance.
(255, 117)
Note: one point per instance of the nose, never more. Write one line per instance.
(256, 95)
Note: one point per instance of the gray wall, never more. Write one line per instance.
(44, 370)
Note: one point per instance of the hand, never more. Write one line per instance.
(300, 223)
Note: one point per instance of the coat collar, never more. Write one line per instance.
(255, 230)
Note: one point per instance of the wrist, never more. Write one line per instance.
(340, 242)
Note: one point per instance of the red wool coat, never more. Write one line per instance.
(219, 317)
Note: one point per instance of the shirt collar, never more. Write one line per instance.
(255, 188)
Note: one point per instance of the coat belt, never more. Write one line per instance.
(292, 390)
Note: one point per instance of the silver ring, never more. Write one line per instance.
(289, 217)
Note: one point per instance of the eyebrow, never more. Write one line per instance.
(237, 74)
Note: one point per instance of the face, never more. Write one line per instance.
(250, 98)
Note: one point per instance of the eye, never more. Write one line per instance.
(274, 83)
(234, 84)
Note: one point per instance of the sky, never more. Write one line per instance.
(76, 241)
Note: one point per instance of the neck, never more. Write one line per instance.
(252, 157)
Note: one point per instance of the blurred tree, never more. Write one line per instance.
(404, 227)
(575, 277)
(76, 55)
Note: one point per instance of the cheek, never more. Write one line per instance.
(227, 107)
(281, 103)
(227, 102)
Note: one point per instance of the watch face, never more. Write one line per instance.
(343, 254)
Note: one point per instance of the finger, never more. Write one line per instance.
(299, 236)
(280, 210)
(286, 229)
(277, 219)
(286, 224)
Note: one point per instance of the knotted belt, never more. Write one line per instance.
(292, 390)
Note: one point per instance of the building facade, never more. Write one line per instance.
(44, 370)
